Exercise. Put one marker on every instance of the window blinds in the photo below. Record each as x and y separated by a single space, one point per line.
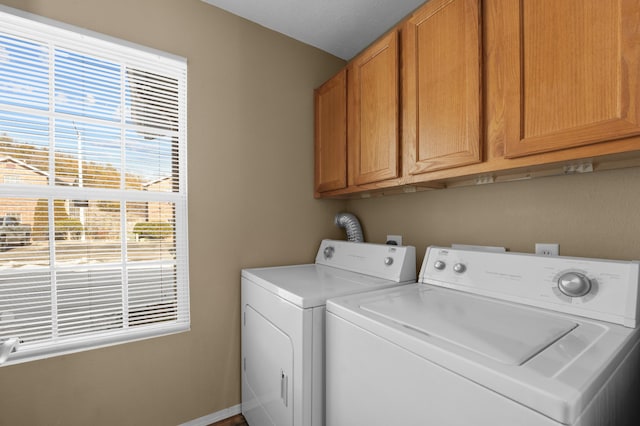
93 190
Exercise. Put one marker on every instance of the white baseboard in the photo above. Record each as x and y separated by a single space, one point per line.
214 417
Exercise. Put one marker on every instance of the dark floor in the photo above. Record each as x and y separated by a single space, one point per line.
232 421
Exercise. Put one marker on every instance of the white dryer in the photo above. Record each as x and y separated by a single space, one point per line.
283 314
489 339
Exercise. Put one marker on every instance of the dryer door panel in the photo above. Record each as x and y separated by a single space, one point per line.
268 367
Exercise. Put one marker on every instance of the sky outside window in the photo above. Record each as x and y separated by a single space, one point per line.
88 91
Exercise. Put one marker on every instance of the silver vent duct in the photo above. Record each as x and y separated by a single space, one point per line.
351 224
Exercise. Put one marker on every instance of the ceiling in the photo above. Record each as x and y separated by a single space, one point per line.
340 27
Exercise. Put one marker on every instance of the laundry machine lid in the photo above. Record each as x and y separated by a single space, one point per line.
502 332
310 285
553 363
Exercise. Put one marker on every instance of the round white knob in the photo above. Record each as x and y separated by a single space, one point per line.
388 261
439 265
328 252
459 268
574 284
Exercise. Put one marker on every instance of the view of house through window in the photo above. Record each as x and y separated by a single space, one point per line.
92 191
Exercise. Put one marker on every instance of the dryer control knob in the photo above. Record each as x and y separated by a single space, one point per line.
388 261
459 268
328 252
574 284
439 265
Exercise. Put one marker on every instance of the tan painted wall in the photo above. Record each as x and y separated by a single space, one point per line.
250 204
592 215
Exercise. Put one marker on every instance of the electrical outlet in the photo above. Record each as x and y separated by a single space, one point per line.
397 239
547 249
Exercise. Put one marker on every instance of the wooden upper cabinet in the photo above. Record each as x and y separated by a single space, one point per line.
373 107
442 98
575 79
331 134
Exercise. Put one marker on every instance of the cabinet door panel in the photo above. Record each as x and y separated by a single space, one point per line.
577 74
373 113
331 134
441 86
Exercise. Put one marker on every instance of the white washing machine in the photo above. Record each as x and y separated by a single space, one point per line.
489 339
283 314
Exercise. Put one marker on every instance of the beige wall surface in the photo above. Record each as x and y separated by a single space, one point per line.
250 156
591 215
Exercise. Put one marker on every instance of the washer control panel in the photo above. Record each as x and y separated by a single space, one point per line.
607 290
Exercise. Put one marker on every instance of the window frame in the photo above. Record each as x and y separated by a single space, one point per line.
18 23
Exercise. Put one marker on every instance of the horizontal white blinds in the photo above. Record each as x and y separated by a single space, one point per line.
93 197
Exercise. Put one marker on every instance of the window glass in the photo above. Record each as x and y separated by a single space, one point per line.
92 190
